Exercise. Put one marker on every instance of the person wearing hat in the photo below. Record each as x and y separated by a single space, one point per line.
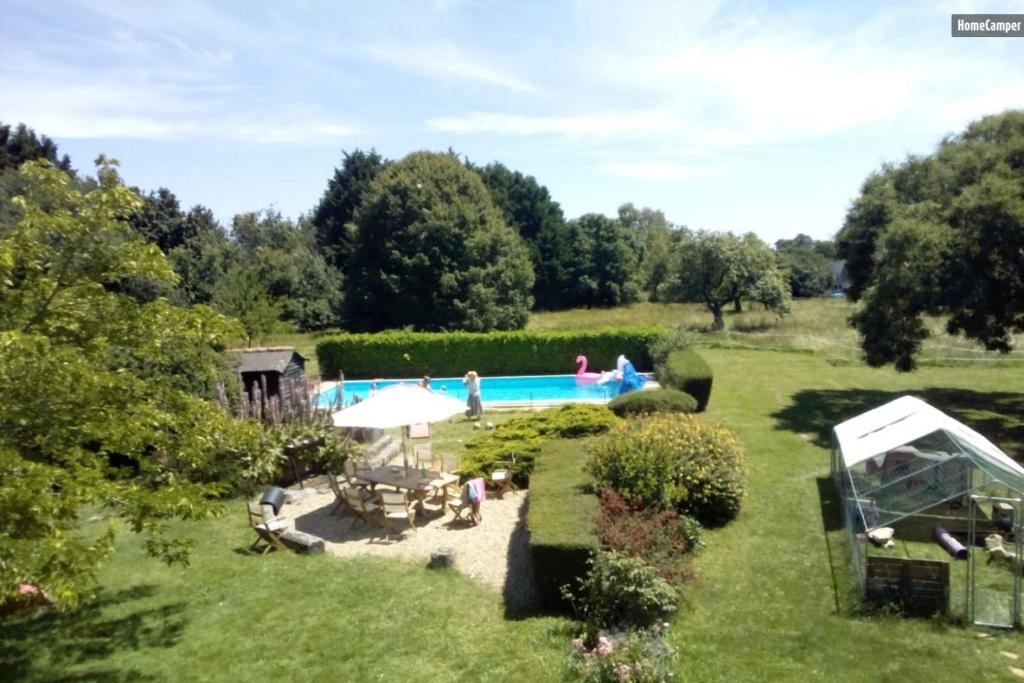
472 382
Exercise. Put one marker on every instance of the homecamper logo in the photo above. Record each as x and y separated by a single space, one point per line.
988 25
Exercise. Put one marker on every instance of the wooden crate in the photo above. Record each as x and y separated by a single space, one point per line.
918 587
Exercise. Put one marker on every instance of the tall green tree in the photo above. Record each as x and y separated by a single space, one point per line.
203 260
529 209
718 268
433 252
941 235
98 417
334 214
283 256
650 233
16 147
22 144
606 272
809 267
242 295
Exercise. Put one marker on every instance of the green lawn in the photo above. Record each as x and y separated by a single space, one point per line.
769 602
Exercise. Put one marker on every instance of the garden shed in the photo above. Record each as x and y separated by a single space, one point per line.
909 471
269 368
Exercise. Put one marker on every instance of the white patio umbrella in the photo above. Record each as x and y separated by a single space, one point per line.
399 406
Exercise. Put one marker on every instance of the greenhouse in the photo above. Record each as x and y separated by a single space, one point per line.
932 511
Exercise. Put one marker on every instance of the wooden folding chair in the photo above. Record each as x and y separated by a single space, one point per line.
460 503
501 476
361 508
268 531
396 508
340 501
352 475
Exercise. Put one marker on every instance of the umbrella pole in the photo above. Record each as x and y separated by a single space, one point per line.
405 452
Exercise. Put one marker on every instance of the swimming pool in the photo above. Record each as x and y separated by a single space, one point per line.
526 388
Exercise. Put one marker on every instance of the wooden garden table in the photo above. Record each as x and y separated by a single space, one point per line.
418 482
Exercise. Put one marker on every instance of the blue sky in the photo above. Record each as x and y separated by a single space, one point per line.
726 116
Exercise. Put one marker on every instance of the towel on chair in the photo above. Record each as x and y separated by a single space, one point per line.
477 490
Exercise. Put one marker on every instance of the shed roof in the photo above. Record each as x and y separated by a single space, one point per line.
274 359
907 419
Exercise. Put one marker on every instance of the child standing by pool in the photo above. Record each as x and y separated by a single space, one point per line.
472 382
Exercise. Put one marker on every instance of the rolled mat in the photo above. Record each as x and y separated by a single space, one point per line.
948 543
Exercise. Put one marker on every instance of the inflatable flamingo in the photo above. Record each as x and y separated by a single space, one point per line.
581 373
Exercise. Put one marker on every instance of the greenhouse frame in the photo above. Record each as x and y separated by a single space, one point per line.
906 471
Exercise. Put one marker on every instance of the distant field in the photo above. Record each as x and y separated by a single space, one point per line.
817 325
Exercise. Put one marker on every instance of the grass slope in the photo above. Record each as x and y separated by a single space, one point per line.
769 601
233 616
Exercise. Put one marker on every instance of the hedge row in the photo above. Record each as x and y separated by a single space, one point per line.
561 519
686 371
452 354
637 403
522 438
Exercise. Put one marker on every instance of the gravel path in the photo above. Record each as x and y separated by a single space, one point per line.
496 552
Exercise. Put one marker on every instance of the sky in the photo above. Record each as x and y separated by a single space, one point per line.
743 116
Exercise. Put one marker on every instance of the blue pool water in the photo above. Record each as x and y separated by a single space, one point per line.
493 389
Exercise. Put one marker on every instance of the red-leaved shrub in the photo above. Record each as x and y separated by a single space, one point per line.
662 538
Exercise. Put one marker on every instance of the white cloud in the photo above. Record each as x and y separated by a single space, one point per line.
444 61
312 131
661 171
587 125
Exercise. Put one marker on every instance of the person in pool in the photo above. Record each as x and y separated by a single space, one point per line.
425 382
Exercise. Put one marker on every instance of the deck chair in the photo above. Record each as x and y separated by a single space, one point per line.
460 503
424 455
419 431
501 476
352 476
362 509
268 531
396 508
340 501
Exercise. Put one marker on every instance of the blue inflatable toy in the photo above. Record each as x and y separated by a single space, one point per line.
631 381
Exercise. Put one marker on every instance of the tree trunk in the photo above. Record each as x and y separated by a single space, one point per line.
716 310
737 305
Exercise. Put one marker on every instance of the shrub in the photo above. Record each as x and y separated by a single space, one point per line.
523 436
653 401
686 371
673 461
561 519
662 538
642 657
622 592
451 354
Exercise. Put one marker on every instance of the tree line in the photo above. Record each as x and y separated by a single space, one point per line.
433 242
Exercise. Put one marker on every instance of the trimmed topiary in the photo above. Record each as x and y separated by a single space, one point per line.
673 461
522 438
686 371
637 403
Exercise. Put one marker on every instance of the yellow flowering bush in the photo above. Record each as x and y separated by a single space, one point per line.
673 461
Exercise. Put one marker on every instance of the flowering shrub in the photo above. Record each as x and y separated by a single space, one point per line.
662 538
621 591
642 657
673 461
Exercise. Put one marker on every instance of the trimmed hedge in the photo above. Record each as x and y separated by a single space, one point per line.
522 437
561 519
451 354
686 371
653 401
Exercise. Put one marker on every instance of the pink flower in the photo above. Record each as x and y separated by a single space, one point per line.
577 643
622 671
604 646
